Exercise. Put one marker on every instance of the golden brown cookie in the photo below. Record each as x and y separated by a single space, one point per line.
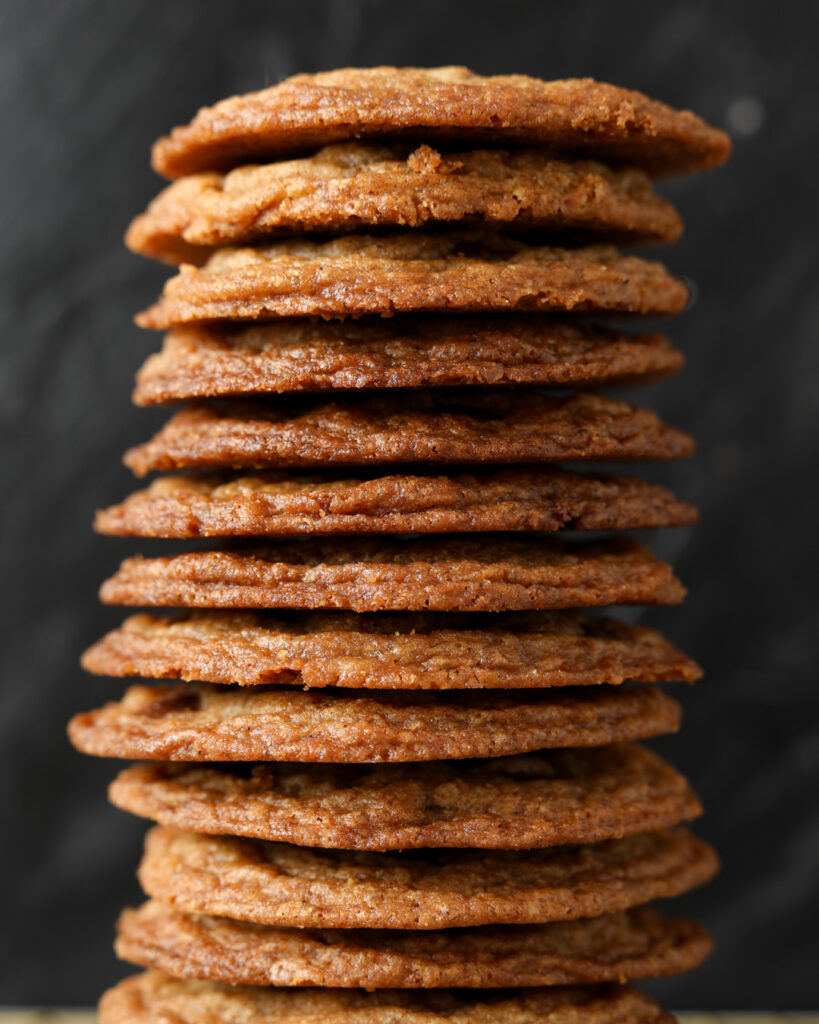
402 352
200 722
292 886
445 105
353 185
403 652
390 652
518 803
429 426
412 272
157 998
638 943
467 572
286 504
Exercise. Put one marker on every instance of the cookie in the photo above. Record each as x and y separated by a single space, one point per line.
402 352
468 572
390 652
199 722
445 105
351 185
638 943
428 426
412 272
157 998
524 802
286 504
291 886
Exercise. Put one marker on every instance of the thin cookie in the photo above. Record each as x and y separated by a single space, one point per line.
199 722
525 802
468 572
430 427
288 504
446 105
412 272
390 652
156 998
295 887
638 943
354 185
402 352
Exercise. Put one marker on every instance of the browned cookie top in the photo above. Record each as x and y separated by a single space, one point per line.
286 504
427 426
462 572
156 998
402 352
415 271
392 652
347 186
637 943
523 802
200 722
293 886
443 105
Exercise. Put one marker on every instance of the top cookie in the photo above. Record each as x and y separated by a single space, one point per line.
442 105
352 185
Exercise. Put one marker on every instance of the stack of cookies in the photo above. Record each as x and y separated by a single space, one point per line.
393 768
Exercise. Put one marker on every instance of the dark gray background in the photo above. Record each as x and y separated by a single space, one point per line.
86 86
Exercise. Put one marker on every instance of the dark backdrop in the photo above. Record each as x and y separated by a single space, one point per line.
86 86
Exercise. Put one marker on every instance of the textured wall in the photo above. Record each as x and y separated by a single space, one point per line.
87 84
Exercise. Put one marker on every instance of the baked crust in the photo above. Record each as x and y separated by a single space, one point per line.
429 651
402 352
353 185
156 998
287 504
442 105
462 572
433 427
417 271
637 943
519 803
292 886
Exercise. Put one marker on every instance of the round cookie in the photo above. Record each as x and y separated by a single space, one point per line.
291 886
286 504
412 272
390 652
199 722
445 105
529 801
156 998
351 185
402 352
468 572
431 427
637 943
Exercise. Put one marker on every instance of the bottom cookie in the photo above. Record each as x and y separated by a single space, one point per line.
156 998
639 943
